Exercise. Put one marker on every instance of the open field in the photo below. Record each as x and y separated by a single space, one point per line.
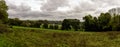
35 37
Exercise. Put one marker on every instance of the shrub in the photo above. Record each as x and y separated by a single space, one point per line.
56 27
45 25
51 27
4 28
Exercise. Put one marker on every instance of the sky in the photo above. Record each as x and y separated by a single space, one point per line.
58 9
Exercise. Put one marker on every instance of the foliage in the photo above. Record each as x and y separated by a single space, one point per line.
45 24
37 24
102 23
51 26
115 23
4 28
15 21
55 38
70 23
3 11
56 26
65 25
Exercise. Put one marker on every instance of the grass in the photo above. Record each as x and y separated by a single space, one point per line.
35 37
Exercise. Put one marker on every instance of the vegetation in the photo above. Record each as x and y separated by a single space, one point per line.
51 26
3 11
28 37
70 23
115 23
105 22
3 17
4 28
43 33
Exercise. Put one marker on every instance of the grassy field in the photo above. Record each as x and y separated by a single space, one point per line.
35 37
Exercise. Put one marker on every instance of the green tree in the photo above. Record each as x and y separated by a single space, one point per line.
3 11
14 21
56 26
95 22
75 24
45 24
115 23
51 26
3 16
88 23
71 23
65 24
104 21
37 24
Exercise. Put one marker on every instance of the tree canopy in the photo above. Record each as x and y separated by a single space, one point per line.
3 11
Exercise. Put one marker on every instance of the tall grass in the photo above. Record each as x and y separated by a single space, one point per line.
26 37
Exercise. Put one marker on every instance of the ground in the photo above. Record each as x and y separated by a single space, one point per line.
35 37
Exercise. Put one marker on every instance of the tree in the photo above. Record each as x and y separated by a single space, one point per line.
3 11
104 22
115 23
37 24
75 24
88 23
14 21
45 24
56 26
66 24
51 26
71 23
95 22
3 16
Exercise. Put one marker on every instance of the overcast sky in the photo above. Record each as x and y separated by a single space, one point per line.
58 9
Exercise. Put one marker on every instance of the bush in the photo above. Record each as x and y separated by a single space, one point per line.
51 27
45 25
56 27
4 28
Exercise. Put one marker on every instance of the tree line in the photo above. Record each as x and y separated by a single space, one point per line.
34 23
104 22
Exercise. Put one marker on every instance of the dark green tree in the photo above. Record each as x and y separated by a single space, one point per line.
15 22
71 23
115 23
104 22
51 26
88 23
56 26
75 24
66 24
3 11
95 22
37 24
45 24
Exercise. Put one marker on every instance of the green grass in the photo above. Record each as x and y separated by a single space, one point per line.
36 37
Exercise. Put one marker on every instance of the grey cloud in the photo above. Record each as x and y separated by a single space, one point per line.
22 7
52 5
94 7
24 12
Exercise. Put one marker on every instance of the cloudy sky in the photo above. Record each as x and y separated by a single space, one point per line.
58 9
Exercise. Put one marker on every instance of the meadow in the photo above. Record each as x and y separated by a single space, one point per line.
35 37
